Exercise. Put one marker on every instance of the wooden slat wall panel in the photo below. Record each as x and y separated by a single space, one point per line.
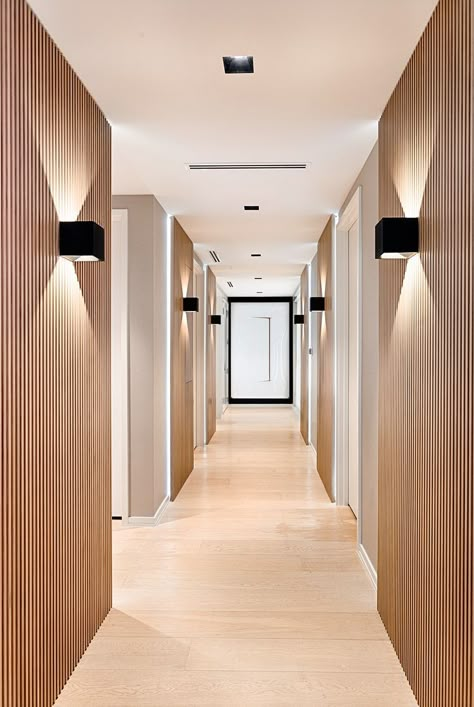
211 333
303 332
55 553
324 323
182 394
425 564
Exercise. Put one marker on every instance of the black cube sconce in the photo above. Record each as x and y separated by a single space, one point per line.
317 304
190 304
397 238
299 318
81 240
215 318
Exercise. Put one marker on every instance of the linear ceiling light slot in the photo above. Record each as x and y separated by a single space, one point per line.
214 256
229 283
247 165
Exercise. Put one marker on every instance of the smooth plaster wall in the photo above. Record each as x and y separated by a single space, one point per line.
147 224
368 503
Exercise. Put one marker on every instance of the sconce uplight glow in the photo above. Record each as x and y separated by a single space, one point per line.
397 238
81 240
190 304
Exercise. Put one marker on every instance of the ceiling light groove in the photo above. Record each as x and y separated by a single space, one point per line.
202 166
214 256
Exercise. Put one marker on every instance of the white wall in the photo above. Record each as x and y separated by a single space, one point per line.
147 294
368 508
221 354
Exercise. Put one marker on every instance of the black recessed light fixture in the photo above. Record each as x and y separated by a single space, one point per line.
259 292
397 238
215 318
255 255
317 304
190 304
238 64
81 240
258 278
299 318
251 207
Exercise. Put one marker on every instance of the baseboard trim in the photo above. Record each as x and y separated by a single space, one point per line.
149 521
365 559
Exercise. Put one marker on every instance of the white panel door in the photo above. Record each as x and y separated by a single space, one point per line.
260 350
353 377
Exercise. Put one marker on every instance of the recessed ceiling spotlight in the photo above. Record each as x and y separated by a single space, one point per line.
251 207
238 64
255 255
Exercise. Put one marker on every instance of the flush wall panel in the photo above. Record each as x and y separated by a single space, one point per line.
55 485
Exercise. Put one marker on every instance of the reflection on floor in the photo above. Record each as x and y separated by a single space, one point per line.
249 592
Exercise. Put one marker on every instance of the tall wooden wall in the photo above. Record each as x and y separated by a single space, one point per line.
303 332
211 349
182 384
325 324
55 479
426 455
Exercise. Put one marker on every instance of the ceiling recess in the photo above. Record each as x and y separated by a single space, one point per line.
214 256
229 283
247 165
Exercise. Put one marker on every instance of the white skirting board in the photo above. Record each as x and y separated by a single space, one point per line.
140 521
365 559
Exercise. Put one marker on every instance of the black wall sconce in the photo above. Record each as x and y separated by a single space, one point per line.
299 318
190 304
215 318
317 304
397 238
81 240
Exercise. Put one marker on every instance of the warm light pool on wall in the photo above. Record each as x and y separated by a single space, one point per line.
317 304
81 240
397 238
190 304
215 318
299 318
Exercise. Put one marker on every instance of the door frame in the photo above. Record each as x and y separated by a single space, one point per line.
120 430
351 214
263 401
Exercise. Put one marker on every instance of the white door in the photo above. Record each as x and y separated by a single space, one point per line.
119 362
353 373
260 350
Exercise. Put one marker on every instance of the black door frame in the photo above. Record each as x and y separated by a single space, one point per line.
263 401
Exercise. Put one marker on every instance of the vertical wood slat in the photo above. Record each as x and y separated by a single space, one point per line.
182 390
211 334
303 332
325 323
55 555
426 524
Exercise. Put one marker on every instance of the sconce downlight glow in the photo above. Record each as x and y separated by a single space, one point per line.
397 238
81 240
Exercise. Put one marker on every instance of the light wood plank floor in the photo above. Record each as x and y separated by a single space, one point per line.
249 592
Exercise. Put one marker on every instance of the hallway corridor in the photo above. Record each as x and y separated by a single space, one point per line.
249 592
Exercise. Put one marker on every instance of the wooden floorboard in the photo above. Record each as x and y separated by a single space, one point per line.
249 592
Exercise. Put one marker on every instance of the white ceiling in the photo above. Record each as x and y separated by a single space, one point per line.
324 70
